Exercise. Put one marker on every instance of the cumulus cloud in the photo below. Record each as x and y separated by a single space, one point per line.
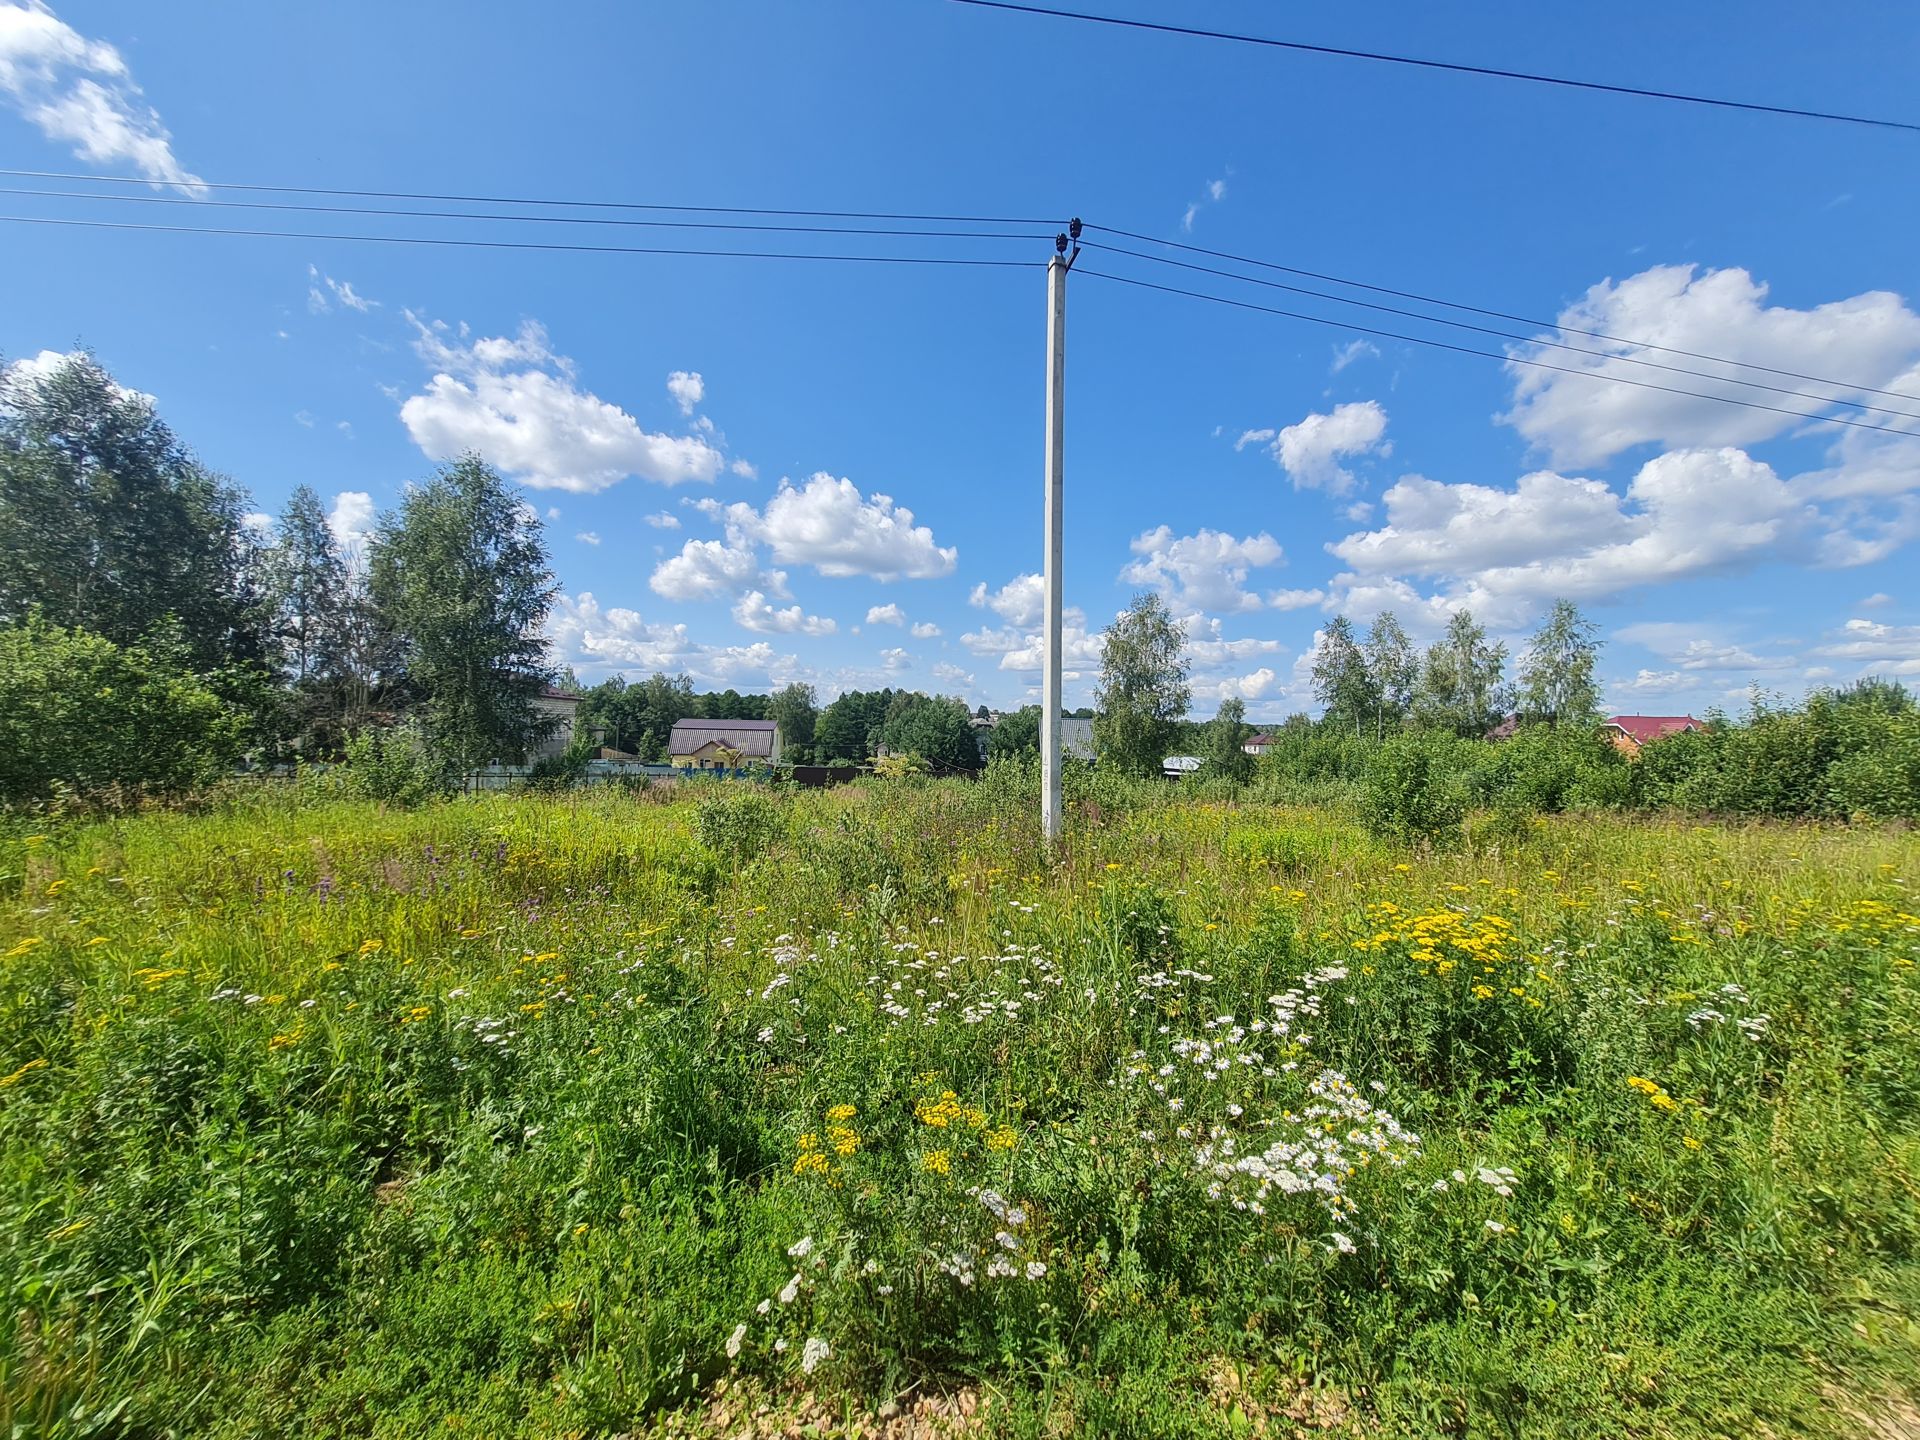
517 403
663 520
753 612
895 660
953 675
1202 571
687 389
830 526
1876 601
925 630
1698 646
1021 601
1311 451
352 519
80 92
1251 686
888 614
744 469
707 570
1868 339
587 537
1294 599
596 639
1686 513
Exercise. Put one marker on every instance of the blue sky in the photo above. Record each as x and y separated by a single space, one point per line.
843 484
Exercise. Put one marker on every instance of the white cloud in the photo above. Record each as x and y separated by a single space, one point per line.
1203 571
1294 599
1882 649
516 402
953 675
303 417
1254 437
888 614
687 389
1186 220
1690 512
352 520
753 612
81 93
744 469
1876 601
587 537
925 630
1867 340
707 569
828 524
345 427
895 660
1020 601
1699 645
1345 355
594 639
1310 452
259 523
1212 193
663 520
1246 687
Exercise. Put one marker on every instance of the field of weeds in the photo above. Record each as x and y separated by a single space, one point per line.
746 1112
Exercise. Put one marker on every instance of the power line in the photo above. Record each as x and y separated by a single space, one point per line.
1503 315
525 244
521 219
1302 46
558 204
1492 354
1503 334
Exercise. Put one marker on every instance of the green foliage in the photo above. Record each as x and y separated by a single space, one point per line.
1548 768
391 766
1017 733
738 821
461 576
938 730
1226 734
1341 679
108 524
1143 690
1557 681
508 1116
564 770
79 713
1461 687
793 709
1415 790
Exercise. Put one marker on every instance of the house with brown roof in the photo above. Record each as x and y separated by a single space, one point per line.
723 744
1632 733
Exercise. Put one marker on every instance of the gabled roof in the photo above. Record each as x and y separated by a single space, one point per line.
1263 738
1647 728
749 737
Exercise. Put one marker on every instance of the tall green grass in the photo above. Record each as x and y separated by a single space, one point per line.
587 1114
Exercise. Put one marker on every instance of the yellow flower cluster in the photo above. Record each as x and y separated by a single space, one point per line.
948 1112
841 1138
1656 1093
1002 1137
811 1161
1455 945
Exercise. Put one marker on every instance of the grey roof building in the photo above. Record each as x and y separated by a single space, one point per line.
698 742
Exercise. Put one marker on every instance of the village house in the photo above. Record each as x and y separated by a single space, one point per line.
558 706
722 744
1632 733
1258 744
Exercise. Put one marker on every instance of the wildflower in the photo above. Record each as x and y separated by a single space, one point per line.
17 1076
735 1340
801 1248
1496 1228
1342 1244
763 1307
1004 1138
841 1113
791 1290
1500 1180
936 1162
813 1353
1035 1270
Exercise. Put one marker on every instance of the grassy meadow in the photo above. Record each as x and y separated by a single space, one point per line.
739 1111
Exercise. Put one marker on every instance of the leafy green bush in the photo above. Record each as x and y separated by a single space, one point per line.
739 822
80 713
562 771
1542 768
393 767
1415 789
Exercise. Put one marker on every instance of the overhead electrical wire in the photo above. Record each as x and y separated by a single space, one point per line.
286 206
1498 314
1489 354
1458 67
557 204
1505 334
466 243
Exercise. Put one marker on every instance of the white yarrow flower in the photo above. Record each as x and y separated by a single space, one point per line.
791 1289
816 1350
801 1248
735 1340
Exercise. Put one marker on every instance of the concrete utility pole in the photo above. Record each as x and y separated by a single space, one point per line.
1062 262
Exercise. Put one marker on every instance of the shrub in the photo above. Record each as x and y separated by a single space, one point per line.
1414 788
80 713
394 766
739 822
562 771
1543 768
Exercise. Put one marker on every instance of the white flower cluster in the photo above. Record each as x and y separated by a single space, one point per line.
924 986
1752 1026
1002 1257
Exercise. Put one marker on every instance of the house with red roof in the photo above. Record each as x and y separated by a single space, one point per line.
1632 733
